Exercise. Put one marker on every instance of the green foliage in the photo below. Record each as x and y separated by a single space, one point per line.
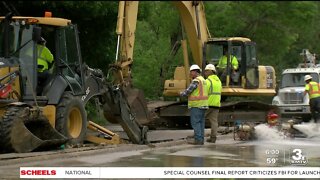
281 30
95 113
96 22
153 45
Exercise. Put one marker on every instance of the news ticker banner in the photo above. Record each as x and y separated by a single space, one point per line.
170 172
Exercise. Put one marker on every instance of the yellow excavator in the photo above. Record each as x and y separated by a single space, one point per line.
252 79
36 117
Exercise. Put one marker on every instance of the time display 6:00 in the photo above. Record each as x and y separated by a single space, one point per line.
272 151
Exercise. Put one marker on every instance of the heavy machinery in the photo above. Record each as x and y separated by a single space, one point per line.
290 97
33 119
253 79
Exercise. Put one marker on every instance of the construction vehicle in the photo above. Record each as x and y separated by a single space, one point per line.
33 120
253 79
290 98
56 115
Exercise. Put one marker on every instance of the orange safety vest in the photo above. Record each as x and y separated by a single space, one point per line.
313 89
199 96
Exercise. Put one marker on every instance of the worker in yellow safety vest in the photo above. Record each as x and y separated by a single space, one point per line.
222 65
313 90
197 103
45 61
214 96
45 57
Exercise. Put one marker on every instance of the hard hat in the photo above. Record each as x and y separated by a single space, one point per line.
210 67
194 67
307 77
42 40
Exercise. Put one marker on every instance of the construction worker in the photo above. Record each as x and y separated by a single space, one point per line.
222 64
313 89
214 95
45 57
45 60
197 103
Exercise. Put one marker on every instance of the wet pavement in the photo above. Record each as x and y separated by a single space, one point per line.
239 154
269 150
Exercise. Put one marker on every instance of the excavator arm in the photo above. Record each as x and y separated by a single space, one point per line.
193 19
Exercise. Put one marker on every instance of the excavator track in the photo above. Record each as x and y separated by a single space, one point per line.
175 115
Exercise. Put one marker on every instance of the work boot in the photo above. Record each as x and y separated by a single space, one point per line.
195 142
190 137
212 140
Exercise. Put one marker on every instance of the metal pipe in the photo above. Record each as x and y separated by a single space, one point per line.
118 46
119 29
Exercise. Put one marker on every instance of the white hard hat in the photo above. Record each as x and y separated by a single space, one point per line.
307 77
194 67
210 67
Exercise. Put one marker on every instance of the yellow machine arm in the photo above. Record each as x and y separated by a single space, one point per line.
193 19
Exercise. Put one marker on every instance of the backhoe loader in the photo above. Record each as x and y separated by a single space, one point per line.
252 78
33 119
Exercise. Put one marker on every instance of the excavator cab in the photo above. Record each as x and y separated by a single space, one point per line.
238 49
250 78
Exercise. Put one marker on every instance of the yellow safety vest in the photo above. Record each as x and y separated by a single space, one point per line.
223 62
313 89
44 57
199 96
214 90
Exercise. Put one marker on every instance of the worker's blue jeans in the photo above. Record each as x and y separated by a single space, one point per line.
197 120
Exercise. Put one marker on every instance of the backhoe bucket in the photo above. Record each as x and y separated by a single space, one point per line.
138 105
34 135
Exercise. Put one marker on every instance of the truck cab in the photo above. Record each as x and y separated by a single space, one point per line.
290 97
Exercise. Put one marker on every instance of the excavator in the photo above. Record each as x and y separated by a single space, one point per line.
252 79
35 117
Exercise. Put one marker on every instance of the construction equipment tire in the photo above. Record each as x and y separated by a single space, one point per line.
71 119
6 124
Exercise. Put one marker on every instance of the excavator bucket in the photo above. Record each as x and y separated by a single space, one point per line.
138 105
30 135
35 135
128 108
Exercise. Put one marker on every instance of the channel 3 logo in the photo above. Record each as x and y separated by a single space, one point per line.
298 157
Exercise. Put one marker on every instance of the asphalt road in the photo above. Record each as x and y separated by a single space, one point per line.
174 152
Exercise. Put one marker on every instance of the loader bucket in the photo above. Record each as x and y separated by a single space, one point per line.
34 135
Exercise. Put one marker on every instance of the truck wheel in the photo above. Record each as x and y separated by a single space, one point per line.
71 119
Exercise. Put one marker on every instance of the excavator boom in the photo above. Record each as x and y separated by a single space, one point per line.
251 79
